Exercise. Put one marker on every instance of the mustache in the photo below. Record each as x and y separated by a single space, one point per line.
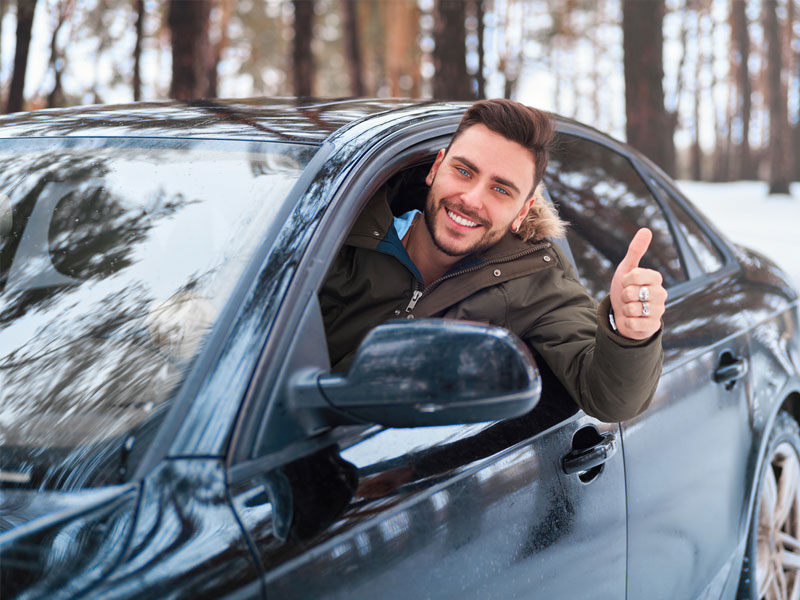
466 212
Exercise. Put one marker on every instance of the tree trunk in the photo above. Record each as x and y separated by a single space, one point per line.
793 41
56 96
480 14
137 51
451 79
696 164
215 55
302 58
779 152
352 41
25 10
648 126
719 165
399 23
188 23
745 165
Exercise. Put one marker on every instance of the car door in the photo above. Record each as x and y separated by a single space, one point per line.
685 455
470 511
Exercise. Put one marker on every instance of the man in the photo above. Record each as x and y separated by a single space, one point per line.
479 251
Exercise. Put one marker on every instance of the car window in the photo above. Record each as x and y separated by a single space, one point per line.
708 256
605 201
115 259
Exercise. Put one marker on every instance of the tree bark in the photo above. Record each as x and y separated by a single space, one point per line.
745 167
648 126
779 152
55 62
480 14
302 58
451 79
188 23
696 165
25 10
793 40
137 51
215 56
352 40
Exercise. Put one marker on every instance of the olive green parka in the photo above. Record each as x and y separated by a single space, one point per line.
528 287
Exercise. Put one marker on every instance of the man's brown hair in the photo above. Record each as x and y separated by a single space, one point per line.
531 128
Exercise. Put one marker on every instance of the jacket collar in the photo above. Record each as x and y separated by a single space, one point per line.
376 220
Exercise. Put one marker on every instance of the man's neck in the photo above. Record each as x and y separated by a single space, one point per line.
431 262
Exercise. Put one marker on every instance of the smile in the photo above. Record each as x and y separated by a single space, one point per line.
460 220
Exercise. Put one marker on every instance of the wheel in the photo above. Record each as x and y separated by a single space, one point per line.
772 560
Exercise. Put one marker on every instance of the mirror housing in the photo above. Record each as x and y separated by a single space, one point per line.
428 372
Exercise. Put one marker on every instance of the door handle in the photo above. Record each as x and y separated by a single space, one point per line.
730 370
585 459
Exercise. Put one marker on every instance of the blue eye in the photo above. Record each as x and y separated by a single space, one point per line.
463 171
501 190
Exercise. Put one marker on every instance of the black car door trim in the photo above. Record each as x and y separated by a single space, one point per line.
398 150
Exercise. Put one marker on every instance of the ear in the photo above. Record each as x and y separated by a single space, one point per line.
435 167
523 212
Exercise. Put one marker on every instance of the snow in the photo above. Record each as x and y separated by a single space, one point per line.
748 215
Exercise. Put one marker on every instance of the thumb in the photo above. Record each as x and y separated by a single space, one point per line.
636 250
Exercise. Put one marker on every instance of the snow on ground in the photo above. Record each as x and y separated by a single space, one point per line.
749 216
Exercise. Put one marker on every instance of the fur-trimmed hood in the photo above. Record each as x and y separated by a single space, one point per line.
542 220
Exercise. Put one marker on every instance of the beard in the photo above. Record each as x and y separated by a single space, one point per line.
489 238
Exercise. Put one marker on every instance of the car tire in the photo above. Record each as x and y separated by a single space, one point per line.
771 568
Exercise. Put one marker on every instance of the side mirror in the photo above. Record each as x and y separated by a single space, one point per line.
428 372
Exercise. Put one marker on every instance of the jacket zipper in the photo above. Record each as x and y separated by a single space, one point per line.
496 261
414 299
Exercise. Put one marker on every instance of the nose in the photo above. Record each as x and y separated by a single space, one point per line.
471 198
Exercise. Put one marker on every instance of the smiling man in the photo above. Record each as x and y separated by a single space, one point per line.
480 250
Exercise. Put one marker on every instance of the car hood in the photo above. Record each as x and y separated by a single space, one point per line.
60 544
25 511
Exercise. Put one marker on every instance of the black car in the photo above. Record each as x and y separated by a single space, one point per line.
170 426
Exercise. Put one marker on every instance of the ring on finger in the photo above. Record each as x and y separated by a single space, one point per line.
644 294
645 308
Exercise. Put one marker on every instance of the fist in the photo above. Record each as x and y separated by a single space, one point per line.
637 295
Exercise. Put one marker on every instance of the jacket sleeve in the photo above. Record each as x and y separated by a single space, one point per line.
611 378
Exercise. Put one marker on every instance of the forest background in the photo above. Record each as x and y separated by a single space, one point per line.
709 89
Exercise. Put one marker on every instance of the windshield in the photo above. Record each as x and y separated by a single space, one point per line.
116 257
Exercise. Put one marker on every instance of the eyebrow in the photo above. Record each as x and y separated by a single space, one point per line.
495 178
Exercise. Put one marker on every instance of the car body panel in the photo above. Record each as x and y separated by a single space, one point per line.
59 545
467 513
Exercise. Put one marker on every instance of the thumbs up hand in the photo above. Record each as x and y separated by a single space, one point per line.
637 296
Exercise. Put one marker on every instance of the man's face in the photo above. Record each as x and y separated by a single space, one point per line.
477 191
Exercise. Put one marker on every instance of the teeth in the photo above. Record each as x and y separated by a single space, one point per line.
461 220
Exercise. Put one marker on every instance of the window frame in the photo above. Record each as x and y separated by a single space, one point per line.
727 257
611 146
696 277
408 147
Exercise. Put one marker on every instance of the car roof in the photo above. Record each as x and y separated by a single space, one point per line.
261 119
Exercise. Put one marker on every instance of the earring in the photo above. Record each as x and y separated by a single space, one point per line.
515 228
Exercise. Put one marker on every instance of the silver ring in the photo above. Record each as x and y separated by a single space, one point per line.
645 309
644 294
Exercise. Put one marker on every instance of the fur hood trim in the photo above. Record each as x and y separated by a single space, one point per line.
542 220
